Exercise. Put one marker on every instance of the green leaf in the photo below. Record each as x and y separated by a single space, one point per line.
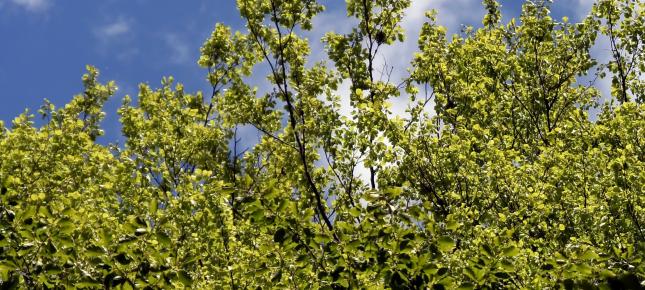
589 255
163 238
66 226
7 265
322 238
153 206
184 278
95 251
511 251
607 273
446 243
343 282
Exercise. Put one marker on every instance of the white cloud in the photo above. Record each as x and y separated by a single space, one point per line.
117 28
180 50
115 38
33 5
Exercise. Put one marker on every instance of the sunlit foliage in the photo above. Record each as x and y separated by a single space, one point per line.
507 170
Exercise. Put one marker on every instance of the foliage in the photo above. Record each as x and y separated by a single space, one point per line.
510 181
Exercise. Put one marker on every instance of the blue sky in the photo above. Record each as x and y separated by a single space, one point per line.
47 43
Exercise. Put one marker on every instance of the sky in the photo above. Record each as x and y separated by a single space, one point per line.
45 44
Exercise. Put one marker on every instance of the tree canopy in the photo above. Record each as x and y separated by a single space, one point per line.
507 170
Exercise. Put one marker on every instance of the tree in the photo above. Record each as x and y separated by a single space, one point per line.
508 182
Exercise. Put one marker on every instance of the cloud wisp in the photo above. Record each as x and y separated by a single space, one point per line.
116 37
33 5
117 28
180 50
